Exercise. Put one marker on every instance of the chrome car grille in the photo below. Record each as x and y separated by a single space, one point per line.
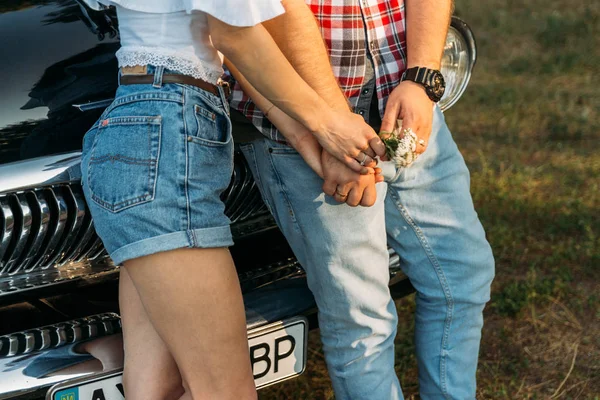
47 236
43 228
47 233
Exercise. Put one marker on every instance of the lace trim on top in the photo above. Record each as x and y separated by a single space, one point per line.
183 63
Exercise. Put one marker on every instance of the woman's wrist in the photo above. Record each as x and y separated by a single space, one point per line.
317 118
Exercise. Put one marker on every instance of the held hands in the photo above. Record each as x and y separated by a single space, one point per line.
341 182
347 186
349 139
409 102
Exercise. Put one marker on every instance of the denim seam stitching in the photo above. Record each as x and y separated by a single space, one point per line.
135 98
186 174
192 238
443 282
285 196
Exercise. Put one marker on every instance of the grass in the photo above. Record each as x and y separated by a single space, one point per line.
529 129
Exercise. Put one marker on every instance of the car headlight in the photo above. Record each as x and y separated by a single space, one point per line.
460 54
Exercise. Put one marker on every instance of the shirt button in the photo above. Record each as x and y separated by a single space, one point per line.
365 91
361 112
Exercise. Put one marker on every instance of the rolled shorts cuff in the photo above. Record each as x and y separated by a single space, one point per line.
196 238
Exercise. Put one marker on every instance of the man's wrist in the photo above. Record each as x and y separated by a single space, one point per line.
411 84
431 80
427 63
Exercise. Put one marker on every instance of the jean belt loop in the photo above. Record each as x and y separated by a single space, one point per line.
158 77
221 85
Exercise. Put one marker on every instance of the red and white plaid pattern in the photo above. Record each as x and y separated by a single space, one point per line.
348 27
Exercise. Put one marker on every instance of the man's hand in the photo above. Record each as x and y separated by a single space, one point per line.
347 186
409 102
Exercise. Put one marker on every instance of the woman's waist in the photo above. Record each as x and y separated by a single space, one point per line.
155 84
182 61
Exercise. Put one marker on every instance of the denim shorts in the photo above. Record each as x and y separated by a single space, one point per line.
154 167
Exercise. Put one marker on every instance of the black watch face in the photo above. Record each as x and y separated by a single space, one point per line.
438 85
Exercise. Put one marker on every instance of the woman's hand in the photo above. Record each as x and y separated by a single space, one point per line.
348 138
299 138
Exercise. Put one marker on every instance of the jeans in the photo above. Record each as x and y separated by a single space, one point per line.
427 215
154 167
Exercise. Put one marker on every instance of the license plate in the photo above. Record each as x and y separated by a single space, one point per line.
277 353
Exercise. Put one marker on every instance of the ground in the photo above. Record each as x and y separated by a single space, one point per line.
529 129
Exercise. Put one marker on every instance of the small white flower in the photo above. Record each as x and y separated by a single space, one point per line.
407 144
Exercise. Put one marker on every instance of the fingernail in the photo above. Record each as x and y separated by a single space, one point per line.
364 171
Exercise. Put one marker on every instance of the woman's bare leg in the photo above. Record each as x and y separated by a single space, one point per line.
150 371
193 300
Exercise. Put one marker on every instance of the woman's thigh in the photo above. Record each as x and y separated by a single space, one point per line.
150 370
193 300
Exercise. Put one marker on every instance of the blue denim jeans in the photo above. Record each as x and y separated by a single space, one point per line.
427 215
154 166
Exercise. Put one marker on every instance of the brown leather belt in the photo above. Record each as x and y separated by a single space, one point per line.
173 78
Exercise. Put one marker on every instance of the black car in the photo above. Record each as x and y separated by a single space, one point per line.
59 318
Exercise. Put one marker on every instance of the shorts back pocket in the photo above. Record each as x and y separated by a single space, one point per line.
123 162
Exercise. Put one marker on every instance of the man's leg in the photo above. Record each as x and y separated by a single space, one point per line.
432 225
344 253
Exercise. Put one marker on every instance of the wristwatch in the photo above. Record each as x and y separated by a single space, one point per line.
431 79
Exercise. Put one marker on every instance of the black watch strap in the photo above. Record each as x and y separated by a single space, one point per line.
427 78
415 74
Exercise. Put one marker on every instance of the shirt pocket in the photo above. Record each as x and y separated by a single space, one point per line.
123 161
213 126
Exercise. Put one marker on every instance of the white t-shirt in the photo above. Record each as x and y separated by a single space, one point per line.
174 33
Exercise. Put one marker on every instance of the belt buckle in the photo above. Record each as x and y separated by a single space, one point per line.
226 86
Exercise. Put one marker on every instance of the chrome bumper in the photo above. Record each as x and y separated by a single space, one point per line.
34 360
28 359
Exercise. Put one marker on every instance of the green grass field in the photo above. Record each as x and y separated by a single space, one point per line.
529 128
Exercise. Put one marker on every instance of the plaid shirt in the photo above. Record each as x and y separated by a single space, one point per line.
351 28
